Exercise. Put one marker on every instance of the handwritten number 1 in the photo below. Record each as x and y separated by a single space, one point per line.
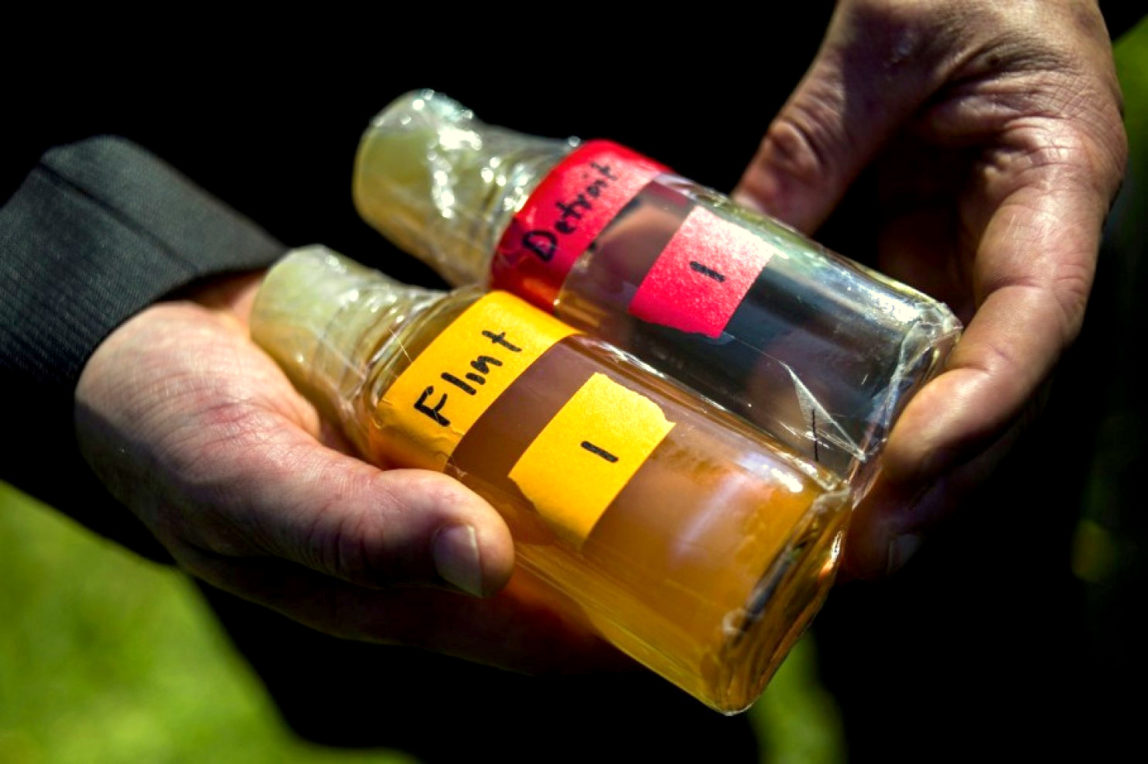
708 272
599 451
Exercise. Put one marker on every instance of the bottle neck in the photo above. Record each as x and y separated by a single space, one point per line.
523 169
444 186
330 322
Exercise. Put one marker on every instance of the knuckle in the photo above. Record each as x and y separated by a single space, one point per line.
1071 286
338 541
375 529
801 142
420 498
348 538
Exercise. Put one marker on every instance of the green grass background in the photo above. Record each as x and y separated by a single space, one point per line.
105 657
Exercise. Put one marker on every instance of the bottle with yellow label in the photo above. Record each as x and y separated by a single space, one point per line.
817 350
692 541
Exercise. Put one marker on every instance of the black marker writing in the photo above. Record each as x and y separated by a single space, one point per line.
604 169
710 272
544 243
480 364
599 451
500 339
433 413
483 364
458 383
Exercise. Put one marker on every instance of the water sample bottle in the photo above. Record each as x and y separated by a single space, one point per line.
815 349
689 539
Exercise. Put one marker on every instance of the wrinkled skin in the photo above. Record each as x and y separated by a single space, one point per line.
1009 149
995 133
198 431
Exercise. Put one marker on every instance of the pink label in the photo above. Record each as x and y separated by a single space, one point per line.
564 215
701 276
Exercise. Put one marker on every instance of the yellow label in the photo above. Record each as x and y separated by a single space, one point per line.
444 391
587 453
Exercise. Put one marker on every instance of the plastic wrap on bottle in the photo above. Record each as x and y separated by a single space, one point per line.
694 542
811 347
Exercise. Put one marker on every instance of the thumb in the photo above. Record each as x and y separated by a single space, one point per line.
344 518
876 66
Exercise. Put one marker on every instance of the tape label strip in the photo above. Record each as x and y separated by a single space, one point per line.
702 275
567 211
444 391
697 281
587 453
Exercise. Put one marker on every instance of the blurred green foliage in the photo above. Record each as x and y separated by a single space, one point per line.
105 657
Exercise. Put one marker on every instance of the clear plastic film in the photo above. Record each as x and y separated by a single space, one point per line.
329 321
816 350
692 541
446 187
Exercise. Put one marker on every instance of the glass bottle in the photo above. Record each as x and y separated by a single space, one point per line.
815 349
692 541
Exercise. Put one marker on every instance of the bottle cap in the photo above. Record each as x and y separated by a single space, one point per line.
324 317
442 185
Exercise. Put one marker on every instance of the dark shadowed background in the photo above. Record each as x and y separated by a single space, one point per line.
1016 625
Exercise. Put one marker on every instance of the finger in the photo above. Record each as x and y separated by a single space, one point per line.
894 518
207 440
1032 273
520 628
874 69
341 517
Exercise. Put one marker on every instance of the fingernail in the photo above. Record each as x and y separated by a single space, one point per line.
901 548
456 558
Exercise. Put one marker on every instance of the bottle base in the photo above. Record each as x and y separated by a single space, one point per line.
782 604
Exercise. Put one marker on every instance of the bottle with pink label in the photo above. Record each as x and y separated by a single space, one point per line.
814 349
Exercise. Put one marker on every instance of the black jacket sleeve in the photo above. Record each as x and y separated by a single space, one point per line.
97 231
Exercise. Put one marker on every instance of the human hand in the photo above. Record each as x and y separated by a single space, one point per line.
996 135
198 432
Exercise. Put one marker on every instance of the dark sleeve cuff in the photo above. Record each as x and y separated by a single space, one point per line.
97 231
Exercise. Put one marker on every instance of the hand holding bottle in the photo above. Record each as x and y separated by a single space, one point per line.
197 431
995 132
